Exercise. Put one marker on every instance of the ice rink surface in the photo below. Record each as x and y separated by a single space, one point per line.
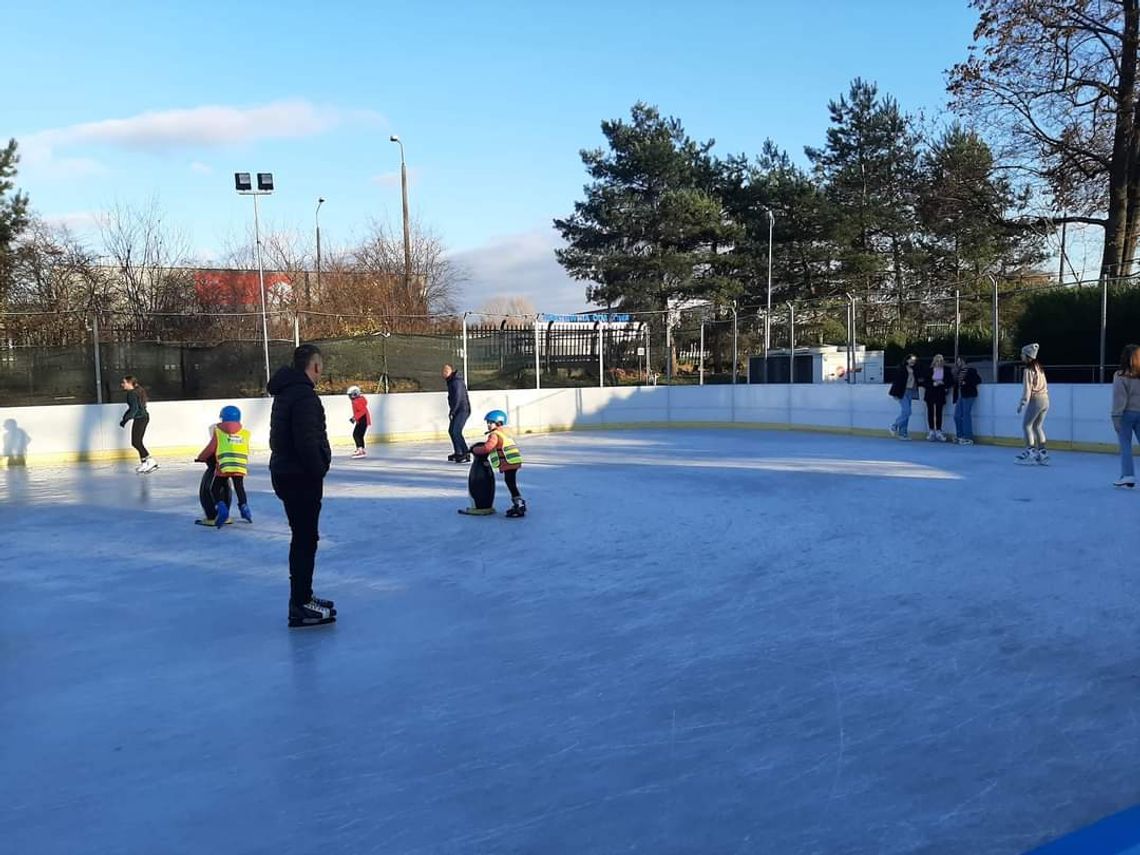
697 642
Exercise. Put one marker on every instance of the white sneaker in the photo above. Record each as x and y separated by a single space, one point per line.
1026 458
1042 457
1124 481
930 436
965 442
905 437
940 436
358 453
893 429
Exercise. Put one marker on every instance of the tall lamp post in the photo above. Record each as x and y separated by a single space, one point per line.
317 217
768 313
407 233
244 187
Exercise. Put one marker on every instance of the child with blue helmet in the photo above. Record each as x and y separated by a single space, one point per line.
504 455
226 456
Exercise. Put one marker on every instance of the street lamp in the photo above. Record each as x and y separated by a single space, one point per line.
317 217
407 233
244 187
767 323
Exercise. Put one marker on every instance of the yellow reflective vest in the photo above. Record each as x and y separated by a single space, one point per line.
233 452
507 455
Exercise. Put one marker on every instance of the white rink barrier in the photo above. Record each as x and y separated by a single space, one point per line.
1078 416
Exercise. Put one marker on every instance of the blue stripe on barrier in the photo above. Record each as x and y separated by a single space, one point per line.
1118 834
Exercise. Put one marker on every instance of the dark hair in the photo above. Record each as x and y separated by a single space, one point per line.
1126 359
1034 364
304 355
138 387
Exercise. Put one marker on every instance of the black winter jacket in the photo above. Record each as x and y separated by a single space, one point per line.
898 385
298 438
966 385
457 401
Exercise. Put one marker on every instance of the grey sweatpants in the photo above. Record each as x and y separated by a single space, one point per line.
1034 421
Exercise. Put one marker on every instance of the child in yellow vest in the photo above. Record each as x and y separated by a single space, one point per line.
227 460
504 454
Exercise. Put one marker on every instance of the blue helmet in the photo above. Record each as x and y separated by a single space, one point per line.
230 414
496 417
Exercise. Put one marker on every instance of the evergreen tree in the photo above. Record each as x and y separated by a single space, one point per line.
13 216
651 227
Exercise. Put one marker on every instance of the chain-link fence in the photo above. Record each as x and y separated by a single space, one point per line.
78 358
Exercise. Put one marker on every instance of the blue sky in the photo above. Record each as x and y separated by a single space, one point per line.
126 101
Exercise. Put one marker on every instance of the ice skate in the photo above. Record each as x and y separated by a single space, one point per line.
148 465
930 437
1042 457
245 513
517 508
206 521
309 614
223 514
463 458
1026 458
940 436
451 458
324 604
360 452
1125 481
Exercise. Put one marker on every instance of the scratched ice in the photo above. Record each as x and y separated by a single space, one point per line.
697 642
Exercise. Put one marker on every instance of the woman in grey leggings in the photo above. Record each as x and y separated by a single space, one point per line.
1035 402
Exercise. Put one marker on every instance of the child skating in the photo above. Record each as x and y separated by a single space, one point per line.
361 418
1035 402
226 456
501 450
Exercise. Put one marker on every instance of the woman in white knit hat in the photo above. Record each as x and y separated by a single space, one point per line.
1035 402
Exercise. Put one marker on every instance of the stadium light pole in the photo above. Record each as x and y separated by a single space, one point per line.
244 187
317 217
407 232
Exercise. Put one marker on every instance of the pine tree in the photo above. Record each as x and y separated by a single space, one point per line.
13 216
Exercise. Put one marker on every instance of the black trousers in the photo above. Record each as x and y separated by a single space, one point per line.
138 430
301 495
455 429
213 489
220 494
511 477
358 433
934 414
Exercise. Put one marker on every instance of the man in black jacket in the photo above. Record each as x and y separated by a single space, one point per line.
458 412
299 460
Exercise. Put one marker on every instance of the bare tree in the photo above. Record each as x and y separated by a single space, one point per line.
54 274
435 275
149 258
1056 82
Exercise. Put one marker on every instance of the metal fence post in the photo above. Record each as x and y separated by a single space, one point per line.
297 330
466 376
735 347
957 321
98 365
537 358
702 381
993 280
668 347
601 360
648 364
1103 324
791 343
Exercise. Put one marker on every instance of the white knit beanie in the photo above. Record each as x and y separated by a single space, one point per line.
1030 351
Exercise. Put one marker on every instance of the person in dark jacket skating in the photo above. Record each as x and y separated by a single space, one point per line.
458 412
139 418
299 460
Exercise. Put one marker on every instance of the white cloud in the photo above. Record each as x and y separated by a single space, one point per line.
202 127
201 168
76 221
521 265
